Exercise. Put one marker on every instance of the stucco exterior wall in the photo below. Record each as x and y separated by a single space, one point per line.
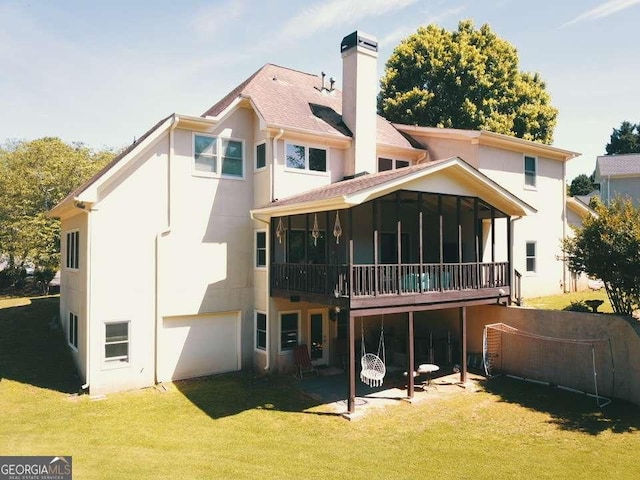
73 288
440 148
124 223
623 333
544 227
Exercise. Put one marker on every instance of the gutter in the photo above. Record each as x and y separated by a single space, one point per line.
162 234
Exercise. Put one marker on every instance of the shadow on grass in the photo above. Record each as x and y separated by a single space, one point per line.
33 352
569 411
229 394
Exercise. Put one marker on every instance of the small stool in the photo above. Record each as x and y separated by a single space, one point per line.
428 369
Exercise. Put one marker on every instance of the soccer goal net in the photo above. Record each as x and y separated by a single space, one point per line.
581 365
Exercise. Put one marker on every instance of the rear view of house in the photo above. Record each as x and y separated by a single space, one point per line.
291 213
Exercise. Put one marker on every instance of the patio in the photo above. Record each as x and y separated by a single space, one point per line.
329 390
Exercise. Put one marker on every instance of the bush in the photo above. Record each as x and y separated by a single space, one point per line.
578 306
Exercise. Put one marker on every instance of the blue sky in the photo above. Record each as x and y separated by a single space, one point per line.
104 72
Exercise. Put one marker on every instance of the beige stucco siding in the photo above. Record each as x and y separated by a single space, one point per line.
130 212
73 288
545 227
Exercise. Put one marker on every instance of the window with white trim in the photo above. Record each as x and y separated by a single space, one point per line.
73 250
72 330
385 164
261 156
530 164
261 330
302 157
289 330
116 342
531 256
215 156
261 249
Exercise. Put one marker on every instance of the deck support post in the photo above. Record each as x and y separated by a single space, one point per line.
410 356
351 389
463 344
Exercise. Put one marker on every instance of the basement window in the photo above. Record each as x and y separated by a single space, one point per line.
116 344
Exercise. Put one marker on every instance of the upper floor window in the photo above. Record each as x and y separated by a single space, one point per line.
530 171
73 250
261 249
214 156
385 164
261 156
301 157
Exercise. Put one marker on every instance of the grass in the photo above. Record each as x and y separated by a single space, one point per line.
245 426
559 302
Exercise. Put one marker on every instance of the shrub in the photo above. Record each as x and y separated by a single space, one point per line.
578 306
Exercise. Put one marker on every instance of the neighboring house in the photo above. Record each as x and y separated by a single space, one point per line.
618 175
291 213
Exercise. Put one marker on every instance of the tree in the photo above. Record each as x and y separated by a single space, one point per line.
625 139
607 246
467 79
34 177
581 185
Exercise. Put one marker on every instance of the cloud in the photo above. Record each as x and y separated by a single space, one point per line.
209 20
602 11
398 34
335 13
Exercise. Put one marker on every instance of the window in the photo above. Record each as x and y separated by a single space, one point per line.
385 164
218 156
72 329
300 157
261 156
530 171
289 323
261 249
73 250
116 344
531 256
261 331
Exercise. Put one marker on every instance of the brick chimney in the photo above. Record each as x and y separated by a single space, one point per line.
359 86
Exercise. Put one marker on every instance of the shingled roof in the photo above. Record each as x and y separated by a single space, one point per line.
287 98
619 165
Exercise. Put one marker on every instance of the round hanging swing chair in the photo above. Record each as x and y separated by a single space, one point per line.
373 366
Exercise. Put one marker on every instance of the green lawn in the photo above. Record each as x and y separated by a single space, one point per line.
245 426
559 302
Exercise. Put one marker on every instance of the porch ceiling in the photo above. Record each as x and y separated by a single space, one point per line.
449 176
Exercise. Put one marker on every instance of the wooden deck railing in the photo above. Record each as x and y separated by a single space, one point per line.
387 279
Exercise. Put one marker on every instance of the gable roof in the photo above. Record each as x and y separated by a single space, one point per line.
485 137
354 191
287 98
618 165
139 143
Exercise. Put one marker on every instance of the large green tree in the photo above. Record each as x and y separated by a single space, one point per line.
607 246
581 185
470 79
625 139
34 177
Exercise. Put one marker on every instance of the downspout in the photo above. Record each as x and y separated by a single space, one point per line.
564 224
274 147
166 231
88 306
